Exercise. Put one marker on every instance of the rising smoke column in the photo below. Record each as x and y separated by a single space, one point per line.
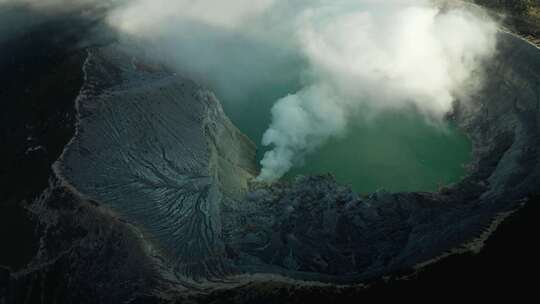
301 123
383 57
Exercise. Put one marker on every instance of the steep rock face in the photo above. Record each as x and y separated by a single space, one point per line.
503 121
159 151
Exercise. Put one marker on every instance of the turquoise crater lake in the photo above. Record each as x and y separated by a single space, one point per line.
394 150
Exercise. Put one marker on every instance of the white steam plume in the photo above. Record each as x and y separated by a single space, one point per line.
383 54
401 55
301 123
146 15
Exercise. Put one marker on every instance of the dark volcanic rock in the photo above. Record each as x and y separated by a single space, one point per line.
33 132
86 255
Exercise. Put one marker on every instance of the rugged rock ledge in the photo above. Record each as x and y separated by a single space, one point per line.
159 151
151 199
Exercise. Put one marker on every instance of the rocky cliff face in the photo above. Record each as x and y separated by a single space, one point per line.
151 199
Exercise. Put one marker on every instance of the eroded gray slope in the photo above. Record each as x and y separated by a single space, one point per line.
158 150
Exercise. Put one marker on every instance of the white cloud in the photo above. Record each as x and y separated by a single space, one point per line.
147 16
389 58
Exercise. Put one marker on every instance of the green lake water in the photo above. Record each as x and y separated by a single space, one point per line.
395 151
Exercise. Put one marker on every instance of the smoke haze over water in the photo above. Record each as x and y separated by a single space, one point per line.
352 54
385 58
383 54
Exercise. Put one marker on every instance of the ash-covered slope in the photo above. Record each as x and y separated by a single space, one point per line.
159 151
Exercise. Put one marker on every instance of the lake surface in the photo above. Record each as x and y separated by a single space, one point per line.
395 151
